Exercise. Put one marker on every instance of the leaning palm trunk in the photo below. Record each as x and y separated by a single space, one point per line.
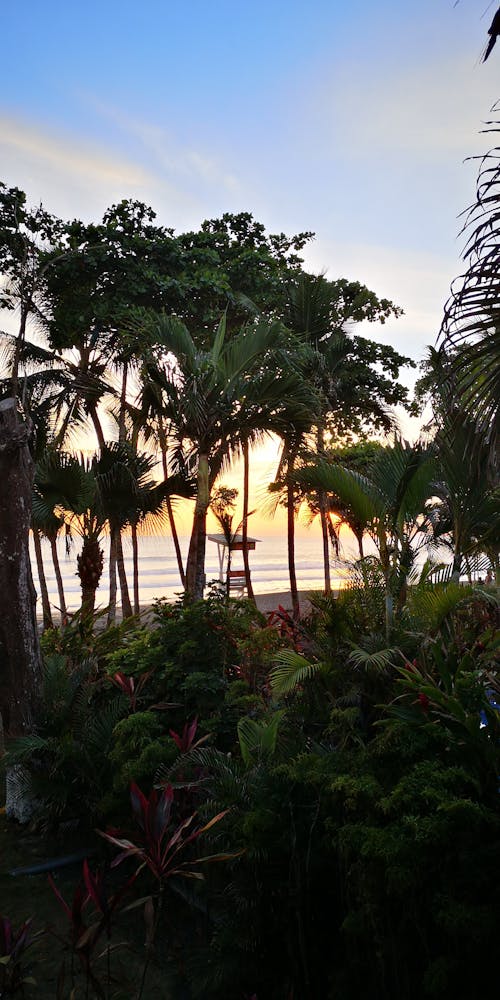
122 576
44 592
195 569
59 580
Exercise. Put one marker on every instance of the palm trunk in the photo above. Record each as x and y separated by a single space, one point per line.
457 566
122 430
112 578
60 587
89 565
14 378
323 509
135 558
291 532
170 512
97 427
195 569
122 576
244 523
44 592
359 539
389 600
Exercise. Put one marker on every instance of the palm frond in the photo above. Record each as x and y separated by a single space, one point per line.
291 671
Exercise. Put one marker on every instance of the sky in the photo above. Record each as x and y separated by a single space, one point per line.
346 117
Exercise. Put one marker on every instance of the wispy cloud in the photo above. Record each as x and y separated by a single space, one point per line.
77 177
166 153
67 155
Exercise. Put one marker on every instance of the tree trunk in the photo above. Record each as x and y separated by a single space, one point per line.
44 592
244 523
59 580
323 509
195 569
386 569
291 533
89 567
97 427
20 658
457 566
112 579
135 558
122 428
122 576
170 512
359 539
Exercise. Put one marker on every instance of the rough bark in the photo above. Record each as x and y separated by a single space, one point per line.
20 658
89 567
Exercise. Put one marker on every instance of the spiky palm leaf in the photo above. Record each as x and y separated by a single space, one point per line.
258 739
291 671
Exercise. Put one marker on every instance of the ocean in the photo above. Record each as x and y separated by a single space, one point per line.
159 576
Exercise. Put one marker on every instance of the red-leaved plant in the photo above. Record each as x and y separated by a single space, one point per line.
158 846
186 742
129 687
84 935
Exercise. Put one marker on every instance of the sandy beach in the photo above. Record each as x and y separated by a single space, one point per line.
265 603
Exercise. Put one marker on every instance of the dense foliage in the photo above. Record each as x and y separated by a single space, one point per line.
354 788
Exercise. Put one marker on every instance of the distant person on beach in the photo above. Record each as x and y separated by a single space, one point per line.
489 578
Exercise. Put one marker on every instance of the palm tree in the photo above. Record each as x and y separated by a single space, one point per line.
390 502
343 369
206 394
67 486
471 324
148 420
465 514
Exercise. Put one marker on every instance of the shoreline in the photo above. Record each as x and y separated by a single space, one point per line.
266 603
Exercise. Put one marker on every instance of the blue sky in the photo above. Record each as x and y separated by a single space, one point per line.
349 118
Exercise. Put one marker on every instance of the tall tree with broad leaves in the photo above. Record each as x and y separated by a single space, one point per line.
355 379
